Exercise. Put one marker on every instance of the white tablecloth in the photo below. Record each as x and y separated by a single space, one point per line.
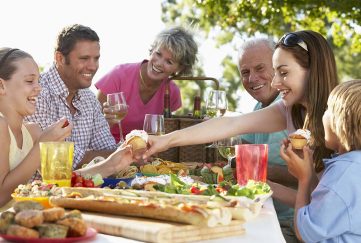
264 228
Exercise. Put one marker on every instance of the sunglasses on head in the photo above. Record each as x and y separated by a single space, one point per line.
291 39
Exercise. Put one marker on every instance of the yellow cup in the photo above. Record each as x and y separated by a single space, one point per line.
56 162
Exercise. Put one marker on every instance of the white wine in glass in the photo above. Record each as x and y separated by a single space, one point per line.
119 108
216 106
226 147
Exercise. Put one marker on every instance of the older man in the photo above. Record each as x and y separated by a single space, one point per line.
65 93
255 68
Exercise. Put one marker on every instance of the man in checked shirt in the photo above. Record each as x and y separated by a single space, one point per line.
65 92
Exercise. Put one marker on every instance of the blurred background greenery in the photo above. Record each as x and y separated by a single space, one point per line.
229 22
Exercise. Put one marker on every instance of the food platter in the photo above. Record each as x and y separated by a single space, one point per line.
112 182
44 201
90 234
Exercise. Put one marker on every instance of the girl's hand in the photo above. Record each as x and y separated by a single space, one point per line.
57 131
156 144
301 168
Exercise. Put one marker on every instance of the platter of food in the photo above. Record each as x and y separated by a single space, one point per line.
90 234
117 182
44 201
36 191
164 167
163 197
30 222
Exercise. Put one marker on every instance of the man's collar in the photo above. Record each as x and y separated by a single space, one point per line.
59 86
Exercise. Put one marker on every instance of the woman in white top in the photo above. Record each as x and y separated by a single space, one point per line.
19 143
19 87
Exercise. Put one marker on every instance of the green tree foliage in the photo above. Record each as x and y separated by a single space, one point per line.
339 21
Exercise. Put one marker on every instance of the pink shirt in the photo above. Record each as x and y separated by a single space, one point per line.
124 78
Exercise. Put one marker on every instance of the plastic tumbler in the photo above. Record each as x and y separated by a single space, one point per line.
251 162
57 162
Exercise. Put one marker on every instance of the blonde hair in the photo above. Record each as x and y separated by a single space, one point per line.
180 42
344 105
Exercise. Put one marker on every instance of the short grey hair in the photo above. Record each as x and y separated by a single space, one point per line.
255 41
181 44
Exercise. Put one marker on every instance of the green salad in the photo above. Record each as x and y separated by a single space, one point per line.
250 190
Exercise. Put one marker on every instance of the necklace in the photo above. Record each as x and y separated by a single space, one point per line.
141 77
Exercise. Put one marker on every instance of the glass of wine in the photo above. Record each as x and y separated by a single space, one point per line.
216 106
119 108
154 124
216 103
226 147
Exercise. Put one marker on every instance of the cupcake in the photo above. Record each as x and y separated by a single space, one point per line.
300 138
138 140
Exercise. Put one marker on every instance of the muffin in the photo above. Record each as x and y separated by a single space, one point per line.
21 231
53 214
77 226
300 138
29 218
26 205
138 140
52 230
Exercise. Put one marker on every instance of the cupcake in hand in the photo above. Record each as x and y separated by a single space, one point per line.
300 138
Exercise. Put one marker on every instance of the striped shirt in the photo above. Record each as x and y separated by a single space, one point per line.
91 130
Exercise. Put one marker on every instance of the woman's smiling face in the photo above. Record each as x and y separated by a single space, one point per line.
290 78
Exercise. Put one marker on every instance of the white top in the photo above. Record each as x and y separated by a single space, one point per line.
16 154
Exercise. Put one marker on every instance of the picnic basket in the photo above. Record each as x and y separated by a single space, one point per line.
192 153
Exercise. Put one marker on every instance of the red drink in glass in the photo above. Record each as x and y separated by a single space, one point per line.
251 162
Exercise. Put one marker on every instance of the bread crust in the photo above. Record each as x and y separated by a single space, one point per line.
170 210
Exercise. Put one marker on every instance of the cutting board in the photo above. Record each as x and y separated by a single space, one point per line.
158 231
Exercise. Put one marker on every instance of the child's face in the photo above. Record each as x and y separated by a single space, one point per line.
290 78
331 140
23 88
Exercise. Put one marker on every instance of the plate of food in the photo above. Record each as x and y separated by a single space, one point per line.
44 201
163 167
90 234
37 191
117 182
30 222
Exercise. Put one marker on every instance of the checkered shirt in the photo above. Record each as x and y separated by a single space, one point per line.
91 130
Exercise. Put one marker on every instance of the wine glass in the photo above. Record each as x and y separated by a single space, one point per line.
119 108
216 106
226 147
154 124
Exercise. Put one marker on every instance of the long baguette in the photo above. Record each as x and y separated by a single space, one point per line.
242 208
181 212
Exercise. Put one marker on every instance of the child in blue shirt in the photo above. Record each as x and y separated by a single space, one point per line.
331 213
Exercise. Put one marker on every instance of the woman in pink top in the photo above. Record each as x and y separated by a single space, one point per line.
172 53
